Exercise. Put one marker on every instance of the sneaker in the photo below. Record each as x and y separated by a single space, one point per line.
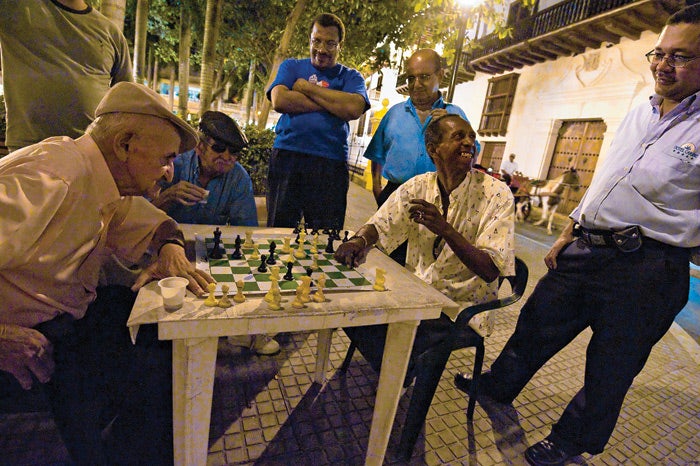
265 345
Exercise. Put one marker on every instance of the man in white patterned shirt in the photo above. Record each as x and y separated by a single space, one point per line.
459 224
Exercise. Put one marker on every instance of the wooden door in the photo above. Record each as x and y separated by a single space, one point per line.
578 146
491 155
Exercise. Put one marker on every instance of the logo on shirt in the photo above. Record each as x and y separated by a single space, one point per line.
313 79
686 152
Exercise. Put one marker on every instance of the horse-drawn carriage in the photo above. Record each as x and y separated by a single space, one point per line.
546 194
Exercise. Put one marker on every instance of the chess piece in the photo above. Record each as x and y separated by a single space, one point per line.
275 272
329 246
289 275
237 251
319 297
314 264
345 238
239 297
211 299
263 267
285 244
299 253
271 258
314 244
248 239
305 289
302 237
255 255
379 280
216 251
298 303
225 301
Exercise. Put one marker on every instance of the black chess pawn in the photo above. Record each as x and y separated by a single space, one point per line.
309 271
329 246
271 259
289 275
263 266
345 238
237 251
216 251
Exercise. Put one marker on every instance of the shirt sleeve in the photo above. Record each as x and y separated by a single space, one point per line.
356 84
285 77
375 149
133 226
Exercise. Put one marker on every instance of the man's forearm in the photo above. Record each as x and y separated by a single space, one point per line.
345 105
288 101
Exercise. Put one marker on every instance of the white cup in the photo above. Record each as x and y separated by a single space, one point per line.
173 291
206 198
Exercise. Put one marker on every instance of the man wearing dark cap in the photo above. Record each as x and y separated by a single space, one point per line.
209 185
65 206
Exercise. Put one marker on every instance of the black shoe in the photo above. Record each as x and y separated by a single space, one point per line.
547 453
463 382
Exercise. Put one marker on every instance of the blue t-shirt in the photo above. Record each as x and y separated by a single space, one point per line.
230 202
316 133
398 144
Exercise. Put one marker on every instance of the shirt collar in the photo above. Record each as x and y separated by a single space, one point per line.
108 192
439 103
690 104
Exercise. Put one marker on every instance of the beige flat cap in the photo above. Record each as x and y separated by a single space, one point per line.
126 97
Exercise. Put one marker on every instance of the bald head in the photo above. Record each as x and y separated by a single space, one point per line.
423 75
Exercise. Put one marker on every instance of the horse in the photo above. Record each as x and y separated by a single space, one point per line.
546 193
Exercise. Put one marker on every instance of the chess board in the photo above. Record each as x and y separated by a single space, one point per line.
228 270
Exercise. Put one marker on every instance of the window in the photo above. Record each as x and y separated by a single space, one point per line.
497 106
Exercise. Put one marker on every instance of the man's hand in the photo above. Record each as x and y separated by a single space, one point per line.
23 352
566 237
428 214
352 252
184 193
438 112
172 262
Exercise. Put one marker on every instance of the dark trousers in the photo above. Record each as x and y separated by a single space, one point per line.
370 340
628 299
305 185
111 400
398 254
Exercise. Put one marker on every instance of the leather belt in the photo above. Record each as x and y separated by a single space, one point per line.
628 239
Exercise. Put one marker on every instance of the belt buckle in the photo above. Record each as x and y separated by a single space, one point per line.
596 240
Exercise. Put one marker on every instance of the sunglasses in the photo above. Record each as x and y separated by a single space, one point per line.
219 147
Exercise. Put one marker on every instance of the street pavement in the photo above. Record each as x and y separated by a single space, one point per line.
267 411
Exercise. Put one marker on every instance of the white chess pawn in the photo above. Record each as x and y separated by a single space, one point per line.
319 297
239 297
255 255
248 243
211 299
379 280
225 301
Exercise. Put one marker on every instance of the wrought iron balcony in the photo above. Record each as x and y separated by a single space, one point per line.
566 29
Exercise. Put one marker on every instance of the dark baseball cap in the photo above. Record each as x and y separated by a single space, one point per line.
222 128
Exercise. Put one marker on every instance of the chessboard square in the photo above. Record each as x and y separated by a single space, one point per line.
220 269
242 270
218 263
343 268
250 286
334 275
223 277
342 282
325 263
262 277
360 281
288 285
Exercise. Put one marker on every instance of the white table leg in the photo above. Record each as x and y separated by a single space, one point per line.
323 350
399 341
194 362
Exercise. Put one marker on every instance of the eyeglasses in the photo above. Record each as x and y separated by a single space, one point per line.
423 78
329 44
672 60
219 147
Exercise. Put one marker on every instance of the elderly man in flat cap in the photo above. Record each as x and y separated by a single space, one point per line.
65 206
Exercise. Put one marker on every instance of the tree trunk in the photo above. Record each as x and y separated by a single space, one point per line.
140 40
171 91
248 98
114 10
154 82
184 53
212 20
280 55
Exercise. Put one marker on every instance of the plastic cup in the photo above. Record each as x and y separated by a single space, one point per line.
173 291
205 199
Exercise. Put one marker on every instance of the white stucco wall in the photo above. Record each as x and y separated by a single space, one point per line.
597 84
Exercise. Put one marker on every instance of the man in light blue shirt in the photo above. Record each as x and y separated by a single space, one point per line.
621 265
397 149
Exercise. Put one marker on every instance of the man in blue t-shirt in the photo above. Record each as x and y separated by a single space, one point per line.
308 174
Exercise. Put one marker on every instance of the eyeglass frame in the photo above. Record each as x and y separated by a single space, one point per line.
327 44
653 58
218 147
423 78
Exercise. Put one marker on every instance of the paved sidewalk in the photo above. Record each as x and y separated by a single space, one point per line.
266 411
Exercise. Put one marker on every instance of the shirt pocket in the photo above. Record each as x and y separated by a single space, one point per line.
664 173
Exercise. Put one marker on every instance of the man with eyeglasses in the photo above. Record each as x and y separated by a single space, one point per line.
621 265
308 173
459 224
209 186
397 150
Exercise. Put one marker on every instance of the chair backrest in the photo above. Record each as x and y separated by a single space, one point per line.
518 283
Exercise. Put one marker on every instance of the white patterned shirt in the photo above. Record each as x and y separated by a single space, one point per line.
481 209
